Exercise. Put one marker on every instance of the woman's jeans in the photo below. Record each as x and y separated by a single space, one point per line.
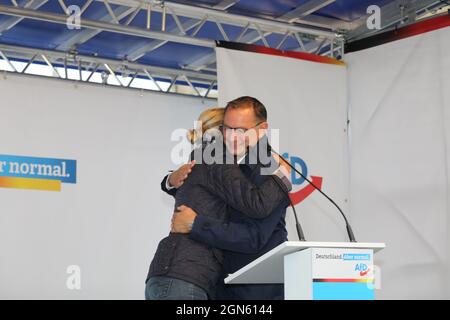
166 288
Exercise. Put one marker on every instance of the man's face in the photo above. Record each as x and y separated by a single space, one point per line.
242 129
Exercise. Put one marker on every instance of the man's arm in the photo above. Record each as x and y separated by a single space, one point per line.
174 180
166 187
248 236
233 187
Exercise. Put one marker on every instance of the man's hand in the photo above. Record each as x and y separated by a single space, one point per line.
183 219
176 178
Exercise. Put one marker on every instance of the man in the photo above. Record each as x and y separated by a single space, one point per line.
244 128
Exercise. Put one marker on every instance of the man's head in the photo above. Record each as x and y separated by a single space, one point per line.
245 122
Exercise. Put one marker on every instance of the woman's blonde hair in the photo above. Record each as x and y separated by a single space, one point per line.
210 119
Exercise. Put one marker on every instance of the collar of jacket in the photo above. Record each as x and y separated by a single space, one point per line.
252 159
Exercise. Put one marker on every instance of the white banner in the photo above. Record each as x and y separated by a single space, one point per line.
400 129
307 102
94 239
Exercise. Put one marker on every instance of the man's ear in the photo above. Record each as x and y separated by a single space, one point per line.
263 129
264 125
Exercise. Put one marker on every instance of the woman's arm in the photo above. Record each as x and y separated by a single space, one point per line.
233 187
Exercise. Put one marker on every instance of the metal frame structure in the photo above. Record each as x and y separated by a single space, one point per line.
313 34
399 13
112 67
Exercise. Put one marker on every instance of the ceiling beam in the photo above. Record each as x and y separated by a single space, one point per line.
224 17
105 26
303 14
207 60
225 4
142 49
325 22
305 9
12 21
85 35
390 15
59 57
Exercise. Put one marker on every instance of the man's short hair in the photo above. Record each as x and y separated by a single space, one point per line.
249 102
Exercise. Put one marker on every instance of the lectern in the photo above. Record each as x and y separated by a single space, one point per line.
316 270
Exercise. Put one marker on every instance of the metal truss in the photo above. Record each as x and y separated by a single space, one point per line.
124 72
120 14
395 14
118 20
312 33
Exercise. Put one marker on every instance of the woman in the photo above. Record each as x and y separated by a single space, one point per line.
183 269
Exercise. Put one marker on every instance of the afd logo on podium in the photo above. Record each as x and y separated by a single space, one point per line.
362 268
21 172
297 180
342 274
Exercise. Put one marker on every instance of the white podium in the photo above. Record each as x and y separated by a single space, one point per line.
315 270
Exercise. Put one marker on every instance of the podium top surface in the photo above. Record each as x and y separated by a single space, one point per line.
269 267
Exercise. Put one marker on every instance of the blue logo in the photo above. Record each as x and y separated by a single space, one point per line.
300 195
357 256
361 267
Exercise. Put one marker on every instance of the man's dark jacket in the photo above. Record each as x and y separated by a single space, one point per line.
213 191
242 237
